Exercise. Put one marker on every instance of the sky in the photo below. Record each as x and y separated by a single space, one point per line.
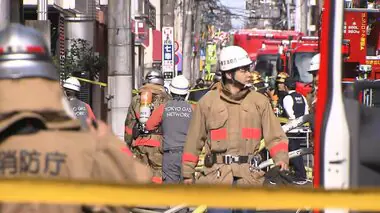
240 4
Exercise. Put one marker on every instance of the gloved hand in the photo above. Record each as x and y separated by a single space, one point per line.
276 176
188 181
283 166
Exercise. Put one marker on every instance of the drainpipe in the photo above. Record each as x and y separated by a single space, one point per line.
42 9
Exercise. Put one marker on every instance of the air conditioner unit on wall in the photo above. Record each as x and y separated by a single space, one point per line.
147 12
142 9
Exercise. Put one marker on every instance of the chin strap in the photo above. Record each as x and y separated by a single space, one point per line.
245 86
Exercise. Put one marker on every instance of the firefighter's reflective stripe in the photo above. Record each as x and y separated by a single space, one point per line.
218 134
127 151
90 112
137 115
188 157
128 130
246 133
251 133
157 180
156 118
147 141
280 147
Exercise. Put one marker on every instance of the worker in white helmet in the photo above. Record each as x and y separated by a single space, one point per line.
81 109
314 68
174 118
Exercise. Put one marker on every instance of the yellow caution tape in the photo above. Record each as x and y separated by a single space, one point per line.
200 209
92 82
262 145
192 102
283 120
309 172
65 192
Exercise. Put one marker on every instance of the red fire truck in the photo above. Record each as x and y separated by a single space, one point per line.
362 30
251 39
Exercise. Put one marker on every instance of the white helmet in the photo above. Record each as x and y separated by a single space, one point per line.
72 83
314 63
232 57
179 85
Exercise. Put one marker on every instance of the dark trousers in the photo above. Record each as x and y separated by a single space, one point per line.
171 166
297 163
172 169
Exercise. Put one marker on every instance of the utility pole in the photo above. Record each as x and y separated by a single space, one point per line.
168 22
17 11
42 7
187 48
5 14
288 2
168 13
304 16
297 17
197 30
42 23
119 63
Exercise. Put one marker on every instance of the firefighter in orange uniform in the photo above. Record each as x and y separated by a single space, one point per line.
39 136
145 144
229 122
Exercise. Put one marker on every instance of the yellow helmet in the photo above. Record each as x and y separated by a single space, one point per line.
256 77
281 77
209 77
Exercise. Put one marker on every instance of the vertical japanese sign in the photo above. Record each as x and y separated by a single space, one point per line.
168 52
355 30
211 54
211 57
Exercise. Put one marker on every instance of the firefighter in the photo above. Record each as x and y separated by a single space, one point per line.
295 105
314 68
81 109
199 84
147 144
279 93
174 117
259 84
230 128
217 78
280 84
39 139
196 95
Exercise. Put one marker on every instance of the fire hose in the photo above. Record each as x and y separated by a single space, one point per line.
296 153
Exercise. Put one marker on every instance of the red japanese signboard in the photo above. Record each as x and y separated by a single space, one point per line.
355 25
141 31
